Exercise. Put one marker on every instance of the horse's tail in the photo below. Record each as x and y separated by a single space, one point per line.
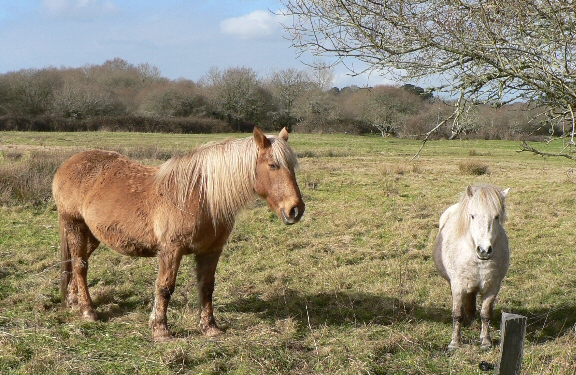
65 265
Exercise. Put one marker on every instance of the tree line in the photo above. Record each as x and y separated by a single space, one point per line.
118 95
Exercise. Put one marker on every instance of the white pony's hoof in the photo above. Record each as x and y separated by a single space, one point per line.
486 346
453 347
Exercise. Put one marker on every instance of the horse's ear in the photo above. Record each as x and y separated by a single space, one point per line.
260 138
284 134
505 192
470 191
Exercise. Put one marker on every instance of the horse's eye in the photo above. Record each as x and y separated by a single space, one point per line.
274 166
472 217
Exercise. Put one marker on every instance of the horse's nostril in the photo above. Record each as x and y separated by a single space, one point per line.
489 250
293 212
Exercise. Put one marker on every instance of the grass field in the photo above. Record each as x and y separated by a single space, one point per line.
351 289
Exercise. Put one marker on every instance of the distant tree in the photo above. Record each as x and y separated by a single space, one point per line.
235 94
321 74
492 51
149 73
30 92
385 108
315 110
285 87
82 98
116 74
172 99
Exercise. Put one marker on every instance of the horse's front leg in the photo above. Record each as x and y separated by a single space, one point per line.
486 315
457 318
168 262
205 271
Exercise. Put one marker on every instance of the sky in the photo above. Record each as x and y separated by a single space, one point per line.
182 38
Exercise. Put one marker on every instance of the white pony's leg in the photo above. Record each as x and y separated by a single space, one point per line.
457 318
486 315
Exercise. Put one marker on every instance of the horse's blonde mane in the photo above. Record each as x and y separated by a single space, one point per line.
222 172
490 197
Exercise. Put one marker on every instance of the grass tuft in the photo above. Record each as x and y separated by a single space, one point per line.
27 180
475 168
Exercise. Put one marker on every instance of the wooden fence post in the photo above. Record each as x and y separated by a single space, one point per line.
513 330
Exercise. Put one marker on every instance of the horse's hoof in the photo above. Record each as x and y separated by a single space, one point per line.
162 338
161 335
212 331
89 316
453 347
485 347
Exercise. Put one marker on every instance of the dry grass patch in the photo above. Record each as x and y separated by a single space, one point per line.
473 167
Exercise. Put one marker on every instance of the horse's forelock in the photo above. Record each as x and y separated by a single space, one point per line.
485 197
491 199
283 154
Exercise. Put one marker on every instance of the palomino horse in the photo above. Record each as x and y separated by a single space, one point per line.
471 252
188 205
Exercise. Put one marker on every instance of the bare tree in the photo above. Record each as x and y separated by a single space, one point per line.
481 51
321 74
285 87
235 93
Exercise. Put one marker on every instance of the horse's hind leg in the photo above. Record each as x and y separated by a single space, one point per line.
486 315
92 244
205 271
81 243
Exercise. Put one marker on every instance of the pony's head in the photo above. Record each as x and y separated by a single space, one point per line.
275 176
486 214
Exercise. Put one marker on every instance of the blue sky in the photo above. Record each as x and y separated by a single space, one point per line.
181 38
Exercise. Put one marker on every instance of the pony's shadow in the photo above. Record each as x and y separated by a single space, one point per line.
337 309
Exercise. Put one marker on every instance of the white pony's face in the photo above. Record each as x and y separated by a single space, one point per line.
485 223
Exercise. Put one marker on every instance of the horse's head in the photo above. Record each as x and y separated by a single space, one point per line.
275 176
486 214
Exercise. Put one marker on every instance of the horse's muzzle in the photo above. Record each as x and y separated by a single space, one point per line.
484 254
293 216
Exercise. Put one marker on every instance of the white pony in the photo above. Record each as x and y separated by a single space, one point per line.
471 252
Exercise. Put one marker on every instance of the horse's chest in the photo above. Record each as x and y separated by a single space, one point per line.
202 240
479 276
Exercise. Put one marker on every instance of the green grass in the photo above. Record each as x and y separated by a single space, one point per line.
350 289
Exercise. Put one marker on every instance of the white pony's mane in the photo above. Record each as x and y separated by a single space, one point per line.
489 198
223 172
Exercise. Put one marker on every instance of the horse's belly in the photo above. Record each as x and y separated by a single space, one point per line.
120 229
124 240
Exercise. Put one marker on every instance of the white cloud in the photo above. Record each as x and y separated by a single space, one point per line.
79 8
258 24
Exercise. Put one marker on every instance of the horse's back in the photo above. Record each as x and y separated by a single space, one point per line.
77 176
104 179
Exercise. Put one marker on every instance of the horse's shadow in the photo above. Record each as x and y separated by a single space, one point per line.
343 308
337 309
